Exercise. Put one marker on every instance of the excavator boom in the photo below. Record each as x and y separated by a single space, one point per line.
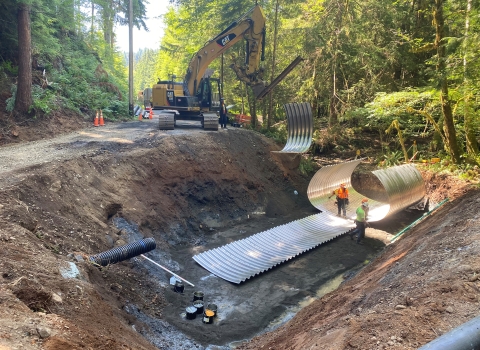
251 27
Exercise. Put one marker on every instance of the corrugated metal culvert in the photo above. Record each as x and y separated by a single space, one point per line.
300 127
243 259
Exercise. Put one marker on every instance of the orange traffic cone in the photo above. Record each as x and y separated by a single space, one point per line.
150 115
95 122
102 123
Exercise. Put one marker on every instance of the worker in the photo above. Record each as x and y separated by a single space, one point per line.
361 221
223 113
342 199
366 209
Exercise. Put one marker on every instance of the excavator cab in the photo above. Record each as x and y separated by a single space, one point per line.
208 94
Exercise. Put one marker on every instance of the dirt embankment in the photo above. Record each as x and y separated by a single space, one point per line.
193 190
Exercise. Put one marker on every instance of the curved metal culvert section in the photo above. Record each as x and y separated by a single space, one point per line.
243 259
328 179
300 127
404 186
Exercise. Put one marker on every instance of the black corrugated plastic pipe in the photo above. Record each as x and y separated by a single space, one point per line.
464 337
124 252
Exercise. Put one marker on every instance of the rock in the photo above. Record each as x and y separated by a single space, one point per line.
56 186
70 271
449 309
43 332
57 298
400 307
109 240
79 258
116 287
464 268
473 278
120 242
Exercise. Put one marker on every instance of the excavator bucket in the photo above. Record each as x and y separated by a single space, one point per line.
260 91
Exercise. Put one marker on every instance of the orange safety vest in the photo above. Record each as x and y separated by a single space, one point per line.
342 193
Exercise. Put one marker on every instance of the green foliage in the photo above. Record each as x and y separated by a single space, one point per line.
307 165
391 158
10 102
401 106
278 133
8 67
43 100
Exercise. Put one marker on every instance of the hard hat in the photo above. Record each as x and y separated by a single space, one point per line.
222 99
364 200
365 204
343 185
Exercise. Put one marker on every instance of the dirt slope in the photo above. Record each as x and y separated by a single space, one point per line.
64 199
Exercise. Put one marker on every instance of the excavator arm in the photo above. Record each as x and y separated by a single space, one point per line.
251 28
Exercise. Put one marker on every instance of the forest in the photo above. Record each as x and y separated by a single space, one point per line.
404 72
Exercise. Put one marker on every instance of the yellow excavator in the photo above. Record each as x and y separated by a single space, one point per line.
198 96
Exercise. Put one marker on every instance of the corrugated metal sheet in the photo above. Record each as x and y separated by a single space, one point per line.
300 127
240 260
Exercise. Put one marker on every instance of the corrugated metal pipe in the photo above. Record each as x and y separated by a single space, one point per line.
124 252
464 337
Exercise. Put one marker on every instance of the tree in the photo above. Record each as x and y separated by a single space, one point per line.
449 126
23 99
471 142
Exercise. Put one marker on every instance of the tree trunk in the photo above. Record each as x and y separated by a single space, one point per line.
275 31
468 114
93 17
23 99
449 126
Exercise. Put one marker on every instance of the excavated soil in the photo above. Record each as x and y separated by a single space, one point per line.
83 193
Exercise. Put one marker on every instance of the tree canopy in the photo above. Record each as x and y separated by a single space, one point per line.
366 63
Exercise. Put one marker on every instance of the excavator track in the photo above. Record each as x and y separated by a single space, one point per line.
166 121
210 121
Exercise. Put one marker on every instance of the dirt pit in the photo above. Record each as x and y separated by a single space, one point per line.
190 190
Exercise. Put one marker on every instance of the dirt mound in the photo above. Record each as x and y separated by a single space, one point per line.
14 131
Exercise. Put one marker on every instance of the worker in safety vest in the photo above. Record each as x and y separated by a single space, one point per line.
223 114
361 221
342 199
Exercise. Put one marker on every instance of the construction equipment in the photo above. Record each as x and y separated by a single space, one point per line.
198 96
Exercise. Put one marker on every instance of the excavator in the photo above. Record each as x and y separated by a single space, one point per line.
198 96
